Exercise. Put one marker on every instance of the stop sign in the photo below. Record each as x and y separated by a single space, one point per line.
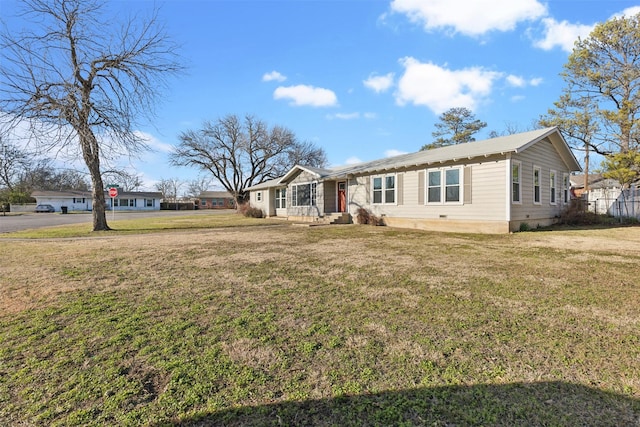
113 192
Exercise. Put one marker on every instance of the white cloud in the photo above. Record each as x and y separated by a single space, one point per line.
519 81
516 81
344 116
439 88
379 83
273 76
351 116
306 95
517 98
536 81
352 161
470 17
154 143
561 34
630 11
393 153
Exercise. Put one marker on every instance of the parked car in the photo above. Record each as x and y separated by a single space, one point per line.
45 208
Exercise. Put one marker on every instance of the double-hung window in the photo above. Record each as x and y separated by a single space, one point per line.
444 185
384 189
281 198
552 187
566 186
537 174
516 179
304 194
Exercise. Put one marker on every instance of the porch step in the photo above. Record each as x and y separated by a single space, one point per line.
337 218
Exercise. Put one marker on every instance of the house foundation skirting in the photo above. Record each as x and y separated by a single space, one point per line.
450 225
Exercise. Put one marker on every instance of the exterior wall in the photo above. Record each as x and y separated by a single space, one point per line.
216 203
263 199
86 203
544 156
482 198
58 202
301 212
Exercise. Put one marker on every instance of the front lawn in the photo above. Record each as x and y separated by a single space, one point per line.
341 325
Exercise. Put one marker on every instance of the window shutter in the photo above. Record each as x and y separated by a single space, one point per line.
467 185
421 188
400 189
367 189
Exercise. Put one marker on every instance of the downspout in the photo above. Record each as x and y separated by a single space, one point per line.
508 192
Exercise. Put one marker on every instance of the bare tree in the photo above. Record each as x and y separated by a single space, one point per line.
240 153
127 181
71 70
14 161
169 188
198 186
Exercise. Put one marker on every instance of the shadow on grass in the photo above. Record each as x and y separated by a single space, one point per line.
529 404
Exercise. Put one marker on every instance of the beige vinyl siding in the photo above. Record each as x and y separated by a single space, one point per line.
266 201
544 156
485 201
314 211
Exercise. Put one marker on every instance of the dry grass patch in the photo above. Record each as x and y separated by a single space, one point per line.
319 326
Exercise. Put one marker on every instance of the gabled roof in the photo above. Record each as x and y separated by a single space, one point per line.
503 145
215 195
88 194
515 143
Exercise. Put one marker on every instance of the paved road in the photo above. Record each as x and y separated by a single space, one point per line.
25 221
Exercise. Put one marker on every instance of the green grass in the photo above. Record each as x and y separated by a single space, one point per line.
350 325
141 226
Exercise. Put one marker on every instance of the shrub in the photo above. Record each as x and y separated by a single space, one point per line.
366 217
247 210
524 226
577 214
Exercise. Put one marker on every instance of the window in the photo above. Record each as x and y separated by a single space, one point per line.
384 189
452 185
444 185
304 194
149 203
537 173
259 196
125 202
552 187
566 186
515 182
203 202
434 187
78 200
281 198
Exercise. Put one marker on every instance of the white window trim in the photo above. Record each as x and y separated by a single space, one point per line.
310 184
566 188
280 198
384 189
539 169
553 187
443 186
258 196
519 164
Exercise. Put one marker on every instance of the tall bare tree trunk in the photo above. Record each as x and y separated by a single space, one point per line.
91 155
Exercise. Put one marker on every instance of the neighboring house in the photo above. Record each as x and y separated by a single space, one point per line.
216 200
606 196
486 186
82 200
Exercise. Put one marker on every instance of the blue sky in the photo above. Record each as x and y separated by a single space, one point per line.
363 79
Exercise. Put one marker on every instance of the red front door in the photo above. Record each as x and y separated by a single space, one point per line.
342 196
